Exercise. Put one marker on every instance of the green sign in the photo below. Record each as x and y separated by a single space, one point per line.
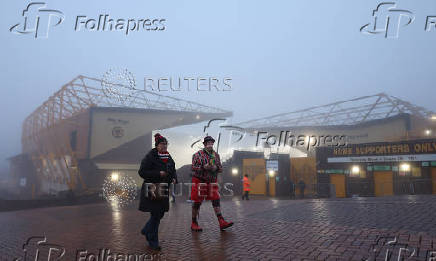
425 164
382 168
334 171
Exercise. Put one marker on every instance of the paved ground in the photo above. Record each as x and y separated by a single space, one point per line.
265 229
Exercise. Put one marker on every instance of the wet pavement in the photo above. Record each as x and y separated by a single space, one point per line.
265 229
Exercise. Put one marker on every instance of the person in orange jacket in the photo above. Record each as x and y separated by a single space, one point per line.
246 186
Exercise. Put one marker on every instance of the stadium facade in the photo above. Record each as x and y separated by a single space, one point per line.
85 133
364 121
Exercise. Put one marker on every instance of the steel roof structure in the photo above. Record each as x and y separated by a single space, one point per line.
348 112
84 92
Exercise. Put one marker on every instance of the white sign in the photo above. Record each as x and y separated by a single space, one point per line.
22 182
272 165
392 158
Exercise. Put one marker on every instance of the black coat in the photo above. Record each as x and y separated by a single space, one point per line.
149 170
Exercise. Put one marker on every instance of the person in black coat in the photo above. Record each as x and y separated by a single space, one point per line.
302 186
158 171
292 189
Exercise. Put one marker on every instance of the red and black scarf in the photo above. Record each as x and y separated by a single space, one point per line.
164 156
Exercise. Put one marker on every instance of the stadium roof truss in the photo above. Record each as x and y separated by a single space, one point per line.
348 112
84 92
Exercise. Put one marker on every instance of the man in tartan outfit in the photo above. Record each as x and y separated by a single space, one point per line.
206 165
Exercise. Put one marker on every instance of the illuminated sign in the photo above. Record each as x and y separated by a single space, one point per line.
385 148
272 165
391 158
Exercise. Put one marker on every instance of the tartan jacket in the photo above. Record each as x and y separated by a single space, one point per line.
199 160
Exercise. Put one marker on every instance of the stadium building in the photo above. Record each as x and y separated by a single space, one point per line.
389 149
90 130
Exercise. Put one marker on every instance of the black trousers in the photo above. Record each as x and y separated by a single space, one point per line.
245 195
151 228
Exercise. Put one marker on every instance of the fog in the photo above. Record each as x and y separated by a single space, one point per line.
281 56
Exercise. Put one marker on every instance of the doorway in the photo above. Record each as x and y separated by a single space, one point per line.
383 183
338 180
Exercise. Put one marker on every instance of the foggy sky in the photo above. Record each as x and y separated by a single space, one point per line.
281 55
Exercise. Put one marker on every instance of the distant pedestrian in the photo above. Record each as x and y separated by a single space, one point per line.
292 189
301 186
173 190
246 187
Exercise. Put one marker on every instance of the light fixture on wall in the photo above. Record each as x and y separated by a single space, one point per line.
405 167
355 170
114 176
